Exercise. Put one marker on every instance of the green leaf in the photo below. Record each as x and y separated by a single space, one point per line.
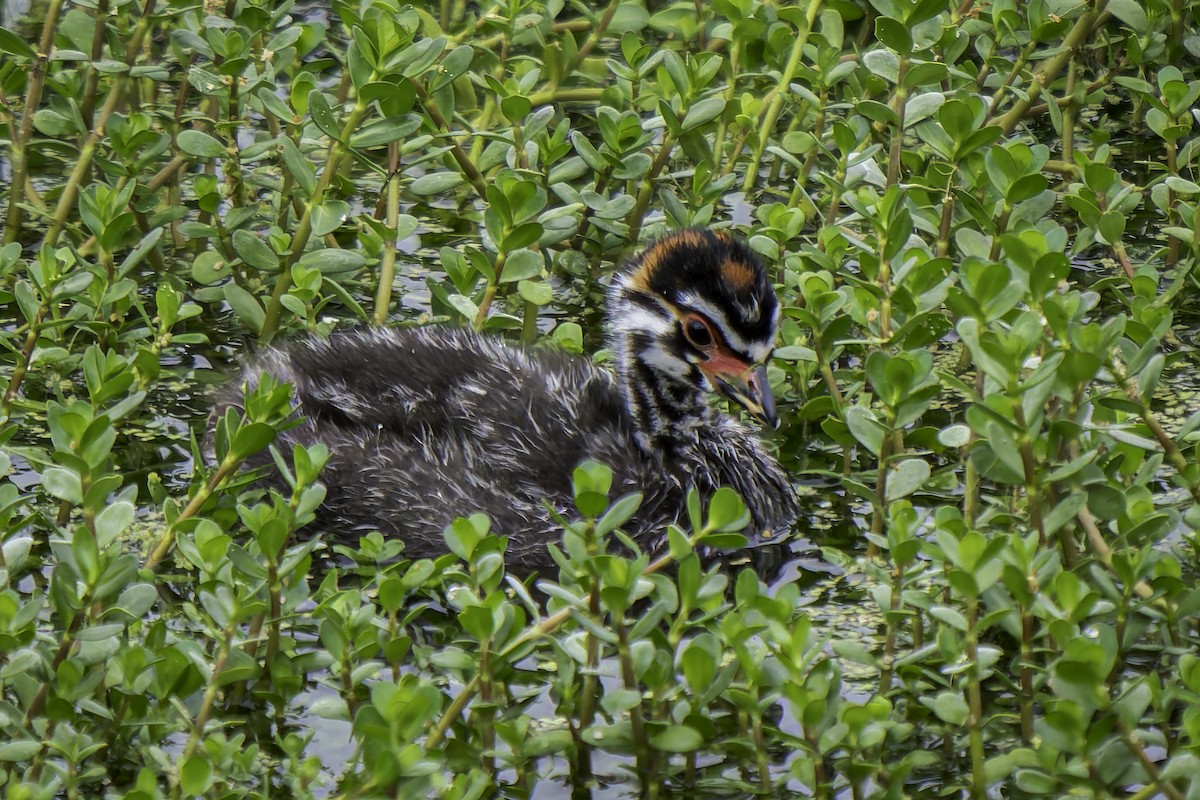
112 521
866 429
199 144
619 513
954 436
521 236
906 477
385 131
420 56
302 170
539 293
322 114
726 511
195 776
463 305
436 183
1132 13
950 707
704 111
328 216
209 267
522 265
254 251
515 108
63 484
246 306
11 43
1111 227
21 750
251 439
137 600
677 739
894 34
949 616
922 106
332 260
547 743
699 665
883 63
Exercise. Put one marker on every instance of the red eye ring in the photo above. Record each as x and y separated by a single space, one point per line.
697 331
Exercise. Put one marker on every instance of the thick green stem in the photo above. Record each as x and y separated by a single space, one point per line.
1027 665
465 164
590 691
1139 752
22 365
206 707
638 214
1052 67
975 705
20 143
337 151
644 755
489 294
899 105
167 540
777 96
880 506
100 31
594 37
66 202
387 266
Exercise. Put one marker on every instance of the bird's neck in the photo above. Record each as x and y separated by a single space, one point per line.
664 405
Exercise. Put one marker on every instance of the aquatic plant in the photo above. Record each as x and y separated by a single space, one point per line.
984 226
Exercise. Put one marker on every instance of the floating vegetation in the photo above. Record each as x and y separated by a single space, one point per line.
982 225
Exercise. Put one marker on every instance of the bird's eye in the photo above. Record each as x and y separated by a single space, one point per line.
697 333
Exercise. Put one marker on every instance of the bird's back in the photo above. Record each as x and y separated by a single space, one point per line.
425 425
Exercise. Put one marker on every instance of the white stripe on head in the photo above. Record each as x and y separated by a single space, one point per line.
632 317
663 361
757 349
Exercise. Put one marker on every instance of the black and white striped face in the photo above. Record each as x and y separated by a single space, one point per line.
697 307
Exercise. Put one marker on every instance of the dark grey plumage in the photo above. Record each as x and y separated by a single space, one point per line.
428 424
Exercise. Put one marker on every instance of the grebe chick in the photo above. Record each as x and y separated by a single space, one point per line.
425 425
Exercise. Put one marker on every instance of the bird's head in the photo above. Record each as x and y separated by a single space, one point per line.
696 307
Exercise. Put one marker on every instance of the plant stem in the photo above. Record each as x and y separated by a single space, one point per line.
167 540
100 31
33 99
644 755
880 504
66 202
206 707
975 704
893 628
489 294
337 151
775 99
1174 455
899 104
22 365
638 214
594 37
590 691
1052 66
387 266
1139 752
465 164
1027 665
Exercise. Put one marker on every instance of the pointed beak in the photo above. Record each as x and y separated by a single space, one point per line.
750 389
